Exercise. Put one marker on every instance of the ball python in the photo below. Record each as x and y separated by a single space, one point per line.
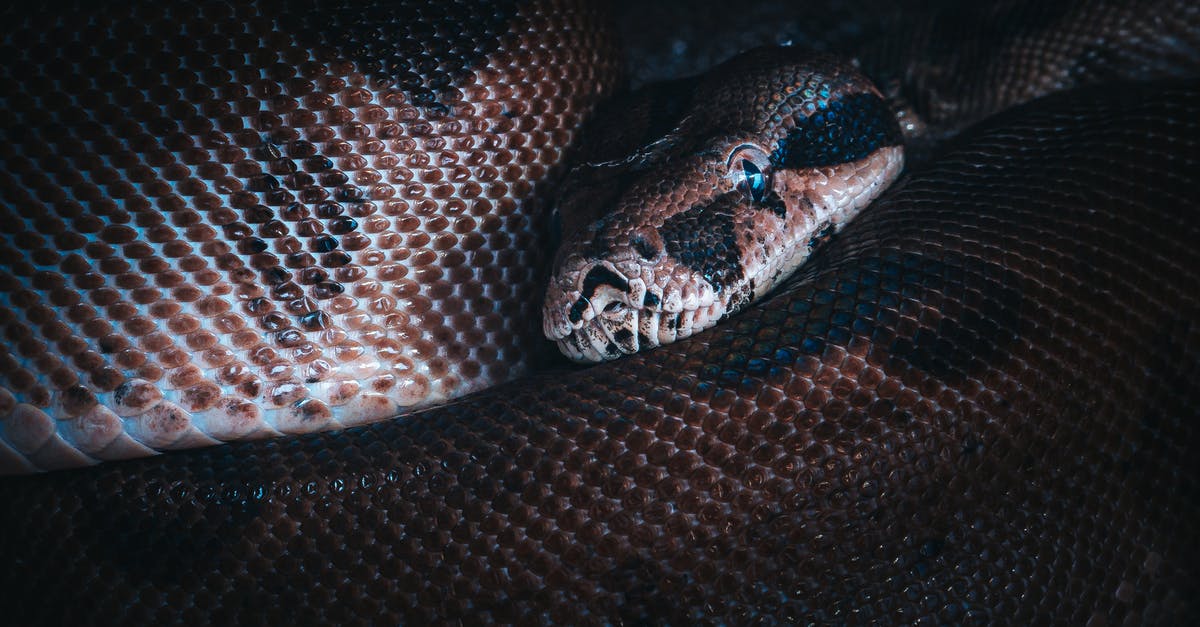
975 404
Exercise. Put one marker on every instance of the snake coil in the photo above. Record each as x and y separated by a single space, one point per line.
976 404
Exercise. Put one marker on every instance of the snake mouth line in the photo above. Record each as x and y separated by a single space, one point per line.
606 338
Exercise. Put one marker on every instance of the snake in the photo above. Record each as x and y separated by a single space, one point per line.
665 261
973 403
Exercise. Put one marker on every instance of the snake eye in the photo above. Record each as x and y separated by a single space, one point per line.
754 182
750 168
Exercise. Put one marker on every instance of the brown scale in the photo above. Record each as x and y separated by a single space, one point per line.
977 406
282 221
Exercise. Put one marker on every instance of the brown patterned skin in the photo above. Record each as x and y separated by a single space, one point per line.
772 152
977 405
976 59
987 425
238 220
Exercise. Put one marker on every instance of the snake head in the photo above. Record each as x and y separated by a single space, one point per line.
768 156
631 298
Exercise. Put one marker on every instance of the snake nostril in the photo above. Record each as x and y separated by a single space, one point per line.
601 276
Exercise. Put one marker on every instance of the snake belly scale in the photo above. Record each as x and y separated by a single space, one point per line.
975 404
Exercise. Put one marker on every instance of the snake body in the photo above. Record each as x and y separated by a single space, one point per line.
976 404
290 218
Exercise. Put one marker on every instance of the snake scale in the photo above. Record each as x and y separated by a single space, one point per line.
975 404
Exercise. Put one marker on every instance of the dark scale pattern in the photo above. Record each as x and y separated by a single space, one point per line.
846 130
222 220
703 239
975 59
442 38
977 406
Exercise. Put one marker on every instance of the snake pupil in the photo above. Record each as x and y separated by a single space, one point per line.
755 181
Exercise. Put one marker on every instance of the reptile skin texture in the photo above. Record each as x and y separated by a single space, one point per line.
291 218
975 405
667 237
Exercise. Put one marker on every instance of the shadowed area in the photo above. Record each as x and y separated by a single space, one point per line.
974 406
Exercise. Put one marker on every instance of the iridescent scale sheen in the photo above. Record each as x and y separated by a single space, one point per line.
231 220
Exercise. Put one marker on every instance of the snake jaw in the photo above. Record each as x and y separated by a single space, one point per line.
599 310
594 322
588 303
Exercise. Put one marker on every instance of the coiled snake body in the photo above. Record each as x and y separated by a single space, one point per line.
976 404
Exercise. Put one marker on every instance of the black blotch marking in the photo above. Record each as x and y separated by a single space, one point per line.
350 194
577 309
342 225
323 244
262 183
318 163
846 130
314 321
332 288
600 275
773 203
276 275
121 392
623 335
281 197
251 245
650 300
612 349
329 209
421 47
644 249
703 239
643 340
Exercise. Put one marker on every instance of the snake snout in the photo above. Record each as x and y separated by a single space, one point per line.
593 310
